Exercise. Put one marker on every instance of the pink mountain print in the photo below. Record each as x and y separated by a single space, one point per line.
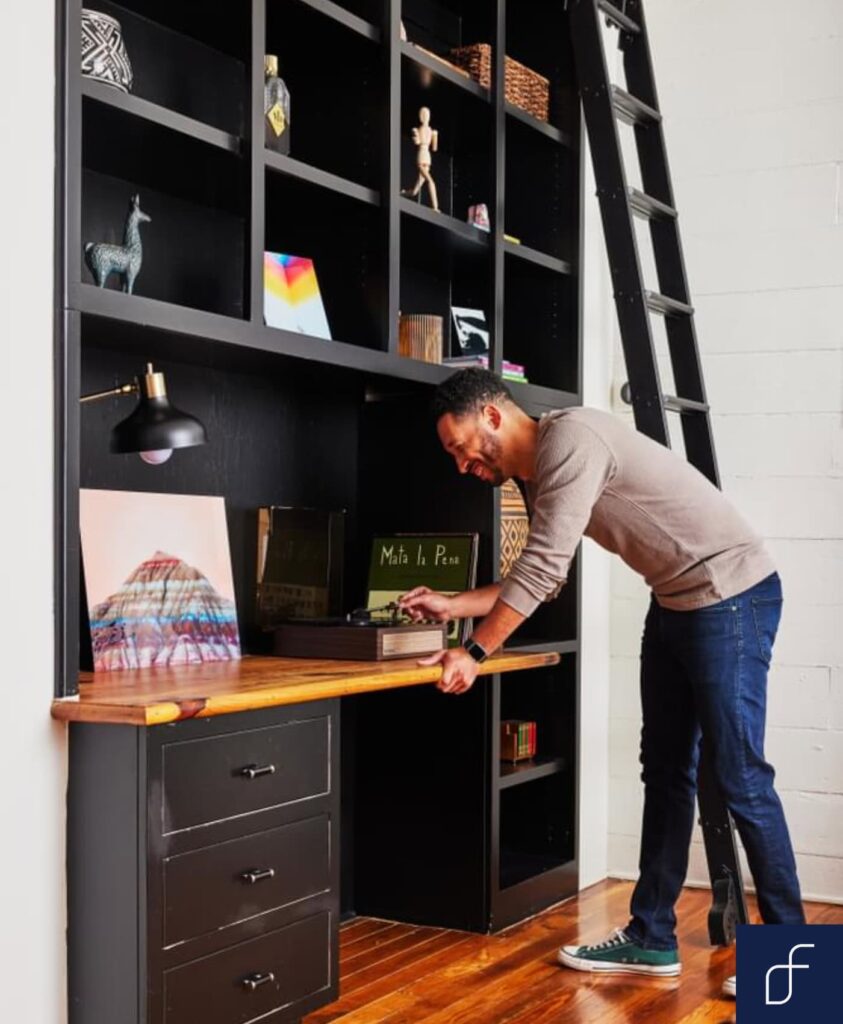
166 613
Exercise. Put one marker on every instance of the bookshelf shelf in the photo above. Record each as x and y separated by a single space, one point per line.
529 771
279 163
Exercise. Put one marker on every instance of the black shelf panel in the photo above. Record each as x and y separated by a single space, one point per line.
427 69
282 164
462 231
344 17
528 771
188 56
135 106
540 259
535 396
141 318
544 647
549 131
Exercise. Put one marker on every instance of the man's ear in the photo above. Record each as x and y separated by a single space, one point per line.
492 416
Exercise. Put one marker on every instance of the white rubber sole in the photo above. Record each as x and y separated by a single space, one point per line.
729 987
596 967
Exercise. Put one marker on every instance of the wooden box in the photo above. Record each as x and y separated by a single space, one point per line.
359 643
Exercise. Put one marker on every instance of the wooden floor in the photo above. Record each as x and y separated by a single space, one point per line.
404 974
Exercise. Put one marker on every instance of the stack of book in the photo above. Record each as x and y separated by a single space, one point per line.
509 371
518 740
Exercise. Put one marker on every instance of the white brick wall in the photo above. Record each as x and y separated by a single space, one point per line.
752 94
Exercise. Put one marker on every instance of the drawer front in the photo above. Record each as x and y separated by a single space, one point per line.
254 979
208 889
218 777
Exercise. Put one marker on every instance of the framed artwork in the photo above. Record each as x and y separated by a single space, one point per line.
291 296
445 562
471 330
158 577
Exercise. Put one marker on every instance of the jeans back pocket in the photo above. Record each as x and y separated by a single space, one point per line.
766 615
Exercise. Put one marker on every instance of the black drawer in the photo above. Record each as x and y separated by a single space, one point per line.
217 886
254 979
219 777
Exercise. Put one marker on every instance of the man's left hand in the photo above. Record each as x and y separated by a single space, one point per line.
459 669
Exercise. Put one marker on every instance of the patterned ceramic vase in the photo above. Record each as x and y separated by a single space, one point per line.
104 56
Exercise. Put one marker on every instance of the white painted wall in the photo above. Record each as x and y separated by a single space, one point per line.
752 94
32 748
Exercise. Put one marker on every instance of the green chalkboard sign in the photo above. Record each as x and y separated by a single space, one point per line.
446 562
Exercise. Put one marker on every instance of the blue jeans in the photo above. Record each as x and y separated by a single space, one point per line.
704 673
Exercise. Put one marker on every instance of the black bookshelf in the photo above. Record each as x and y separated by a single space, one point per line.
300 420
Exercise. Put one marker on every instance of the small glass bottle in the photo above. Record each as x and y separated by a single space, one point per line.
276 107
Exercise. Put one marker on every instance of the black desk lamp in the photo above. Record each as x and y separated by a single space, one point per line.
155 427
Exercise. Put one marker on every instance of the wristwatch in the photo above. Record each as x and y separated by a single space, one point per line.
477 651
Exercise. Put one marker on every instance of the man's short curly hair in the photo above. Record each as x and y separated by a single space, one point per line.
468 391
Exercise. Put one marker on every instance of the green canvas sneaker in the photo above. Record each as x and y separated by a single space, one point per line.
619 955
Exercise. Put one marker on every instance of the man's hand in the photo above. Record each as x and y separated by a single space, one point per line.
424 603
459 669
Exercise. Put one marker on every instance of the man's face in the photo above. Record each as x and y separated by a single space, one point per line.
474 443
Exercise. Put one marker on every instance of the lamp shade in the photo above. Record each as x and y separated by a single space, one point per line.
155 424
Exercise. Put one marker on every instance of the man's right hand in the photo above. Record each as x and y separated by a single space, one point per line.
424 603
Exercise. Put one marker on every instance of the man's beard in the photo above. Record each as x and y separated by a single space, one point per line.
491 449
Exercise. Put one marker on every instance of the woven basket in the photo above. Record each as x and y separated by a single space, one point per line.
524 87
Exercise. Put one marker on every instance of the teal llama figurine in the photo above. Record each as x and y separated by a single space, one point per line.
104 259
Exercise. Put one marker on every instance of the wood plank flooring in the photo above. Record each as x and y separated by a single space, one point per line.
402 974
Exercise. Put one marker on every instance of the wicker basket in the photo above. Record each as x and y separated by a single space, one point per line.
524 87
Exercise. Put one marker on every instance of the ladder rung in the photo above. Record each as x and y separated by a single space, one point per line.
674 404
632 110
647 206
666 306
618 17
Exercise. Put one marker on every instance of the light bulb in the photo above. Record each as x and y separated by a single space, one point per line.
155 458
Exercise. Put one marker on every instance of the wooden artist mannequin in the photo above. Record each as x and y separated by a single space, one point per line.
427 140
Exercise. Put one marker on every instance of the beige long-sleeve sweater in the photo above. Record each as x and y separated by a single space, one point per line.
598 477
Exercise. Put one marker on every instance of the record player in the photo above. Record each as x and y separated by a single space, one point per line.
365 634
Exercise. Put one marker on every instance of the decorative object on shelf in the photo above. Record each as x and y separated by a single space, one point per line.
523 87
518 740
291 296
158 579
420 336
300 564
402 32
426 140
509 371
515 526
104 56
104 258
478 215
155 427
471 330
359 640
444 562
512 239
276 107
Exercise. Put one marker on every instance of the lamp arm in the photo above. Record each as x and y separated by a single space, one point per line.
122 389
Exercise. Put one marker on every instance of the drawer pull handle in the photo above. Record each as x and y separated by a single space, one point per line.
253 771
257 875
254 981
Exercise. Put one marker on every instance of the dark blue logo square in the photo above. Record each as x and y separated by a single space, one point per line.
788 973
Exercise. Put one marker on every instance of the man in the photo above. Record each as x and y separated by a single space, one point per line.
708 637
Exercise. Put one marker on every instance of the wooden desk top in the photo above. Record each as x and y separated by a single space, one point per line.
155 696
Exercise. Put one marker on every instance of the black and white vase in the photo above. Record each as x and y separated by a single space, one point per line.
104 56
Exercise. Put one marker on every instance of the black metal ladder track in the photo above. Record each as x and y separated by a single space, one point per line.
604 105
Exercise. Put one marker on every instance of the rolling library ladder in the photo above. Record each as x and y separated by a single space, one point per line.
603 104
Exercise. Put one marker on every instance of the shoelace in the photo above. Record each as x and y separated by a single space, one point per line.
617 938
